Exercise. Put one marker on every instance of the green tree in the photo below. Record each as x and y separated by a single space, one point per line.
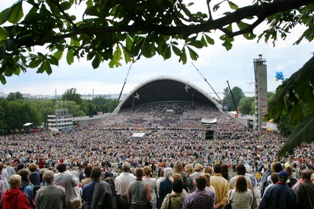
72 95
14 96
294 103
237 94
245 105
75 109
126 30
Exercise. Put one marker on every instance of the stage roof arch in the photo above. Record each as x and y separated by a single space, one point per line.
165 88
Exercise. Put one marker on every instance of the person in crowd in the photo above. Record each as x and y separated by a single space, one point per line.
188 169
2 187
50 196
165 186
208 186
26 186
225 172
87 179
221 186
122 182
305 191
241 197
178 168
291 180
161 177
152 183
4 174
97 194
275 167
274 180
34 176
279 196
67 181
10 169
209 170
198 171
201 198
139 195
176 198
10 197
241 170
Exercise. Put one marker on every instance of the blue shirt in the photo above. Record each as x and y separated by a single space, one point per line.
200 199
87 193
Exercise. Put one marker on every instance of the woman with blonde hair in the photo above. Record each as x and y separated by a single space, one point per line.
152 183
178 168
241 197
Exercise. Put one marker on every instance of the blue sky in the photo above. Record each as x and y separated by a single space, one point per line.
215 63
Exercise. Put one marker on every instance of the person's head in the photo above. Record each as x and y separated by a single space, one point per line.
289 170
178 167
241 184
306 174
88 170
283 176
139 173
208 169
276 167
217 168
161 174
188 169
96 172
225 171
126 167
177 176
274 177
168 172
32 167
177 185
147 170
241 170
200 182
61 167
15 181
48 176
198 167
207 176
24 173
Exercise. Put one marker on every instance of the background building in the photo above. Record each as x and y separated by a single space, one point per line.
261 109
62 120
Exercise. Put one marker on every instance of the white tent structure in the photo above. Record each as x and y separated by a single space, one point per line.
138 136
209 121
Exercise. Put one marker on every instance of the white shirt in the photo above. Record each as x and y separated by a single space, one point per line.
122 183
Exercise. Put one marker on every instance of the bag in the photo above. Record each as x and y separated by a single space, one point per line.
74 203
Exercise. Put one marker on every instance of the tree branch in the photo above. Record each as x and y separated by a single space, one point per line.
259 11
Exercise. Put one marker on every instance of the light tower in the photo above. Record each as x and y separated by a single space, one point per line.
261 109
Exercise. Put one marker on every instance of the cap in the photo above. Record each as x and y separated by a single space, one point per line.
283 175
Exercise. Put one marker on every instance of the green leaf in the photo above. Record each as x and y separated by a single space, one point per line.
66 5
209 40
3 35
216 6
16 13
167 53
96 62
183 56
35 63
45 67
176 50
115 61
233 5
242 25
304 132
58 55
4 15
193 54
70 56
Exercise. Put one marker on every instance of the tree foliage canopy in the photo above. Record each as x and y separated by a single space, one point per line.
114 31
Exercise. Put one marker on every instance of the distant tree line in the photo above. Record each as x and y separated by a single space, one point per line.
15 110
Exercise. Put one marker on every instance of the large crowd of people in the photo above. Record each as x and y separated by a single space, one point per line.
173 132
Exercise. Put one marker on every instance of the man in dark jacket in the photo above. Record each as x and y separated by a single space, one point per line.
305 191
279 196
